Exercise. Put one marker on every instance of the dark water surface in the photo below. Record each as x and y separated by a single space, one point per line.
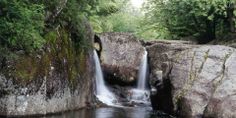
110 112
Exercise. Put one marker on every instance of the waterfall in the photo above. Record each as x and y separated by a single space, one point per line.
102 92
143 72
141 94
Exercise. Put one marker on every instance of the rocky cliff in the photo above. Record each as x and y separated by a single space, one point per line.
58 78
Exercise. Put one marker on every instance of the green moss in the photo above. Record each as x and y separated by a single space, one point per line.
204 61
82 62
45 63
60 52
70 60
26 68
51 37
217 83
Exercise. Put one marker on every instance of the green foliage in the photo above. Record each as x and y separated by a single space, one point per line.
104 9
21 25
116 16
72 17
42 34
204 19
24 22
123 22
107 7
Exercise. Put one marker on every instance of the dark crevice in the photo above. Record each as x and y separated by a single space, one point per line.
162 101
98 41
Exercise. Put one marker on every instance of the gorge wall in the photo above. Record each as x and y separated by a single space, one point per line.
58 78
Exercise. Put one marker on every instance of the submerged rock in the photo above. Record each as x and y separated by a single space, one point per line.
121 55
198 81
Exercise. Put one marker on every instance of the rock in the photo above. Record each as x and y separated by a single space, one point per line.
121 56
198 81
97 46
58 81
170 42
222 103
156 80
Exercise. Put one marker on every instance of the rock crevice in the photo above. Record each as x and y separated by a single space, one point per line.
199 77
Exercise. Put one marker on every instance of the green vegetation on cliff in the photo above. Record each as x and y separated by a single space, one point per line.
21 25
39 36
24 23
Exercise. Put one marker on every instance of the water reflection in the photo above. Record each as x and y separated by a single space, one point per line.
104 113
109 113
138 113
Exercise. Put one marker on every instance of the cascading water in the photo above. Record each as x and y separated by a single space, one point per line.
143 72
141 94
102 92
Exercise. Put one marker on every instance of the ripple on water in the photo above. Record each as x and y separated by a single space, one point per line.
111 112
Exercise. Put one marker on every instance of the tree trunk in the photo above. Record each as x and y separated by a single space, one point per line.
210 33
231 18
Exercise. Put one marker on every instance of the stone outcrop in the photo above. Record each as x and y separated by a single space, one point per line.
56 79
120 55
197 81
187 80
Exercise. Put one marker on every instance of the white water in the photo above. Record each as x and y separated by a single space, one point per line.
143 72
102 92
141 94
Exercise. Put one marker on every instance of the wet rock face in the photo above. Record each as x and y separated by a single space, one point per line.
46 94
56 80
200 80
121 56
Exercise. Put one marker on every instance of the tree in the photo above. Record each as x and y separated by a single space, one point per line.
24 23
203 19
100 18
230 15
21 25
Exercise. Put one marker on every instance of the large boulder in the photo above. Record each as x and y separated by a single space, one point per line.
120 55
56 79
197 81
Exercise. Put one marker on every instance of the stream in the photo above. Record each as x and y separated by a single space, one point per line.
139 95
111 112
